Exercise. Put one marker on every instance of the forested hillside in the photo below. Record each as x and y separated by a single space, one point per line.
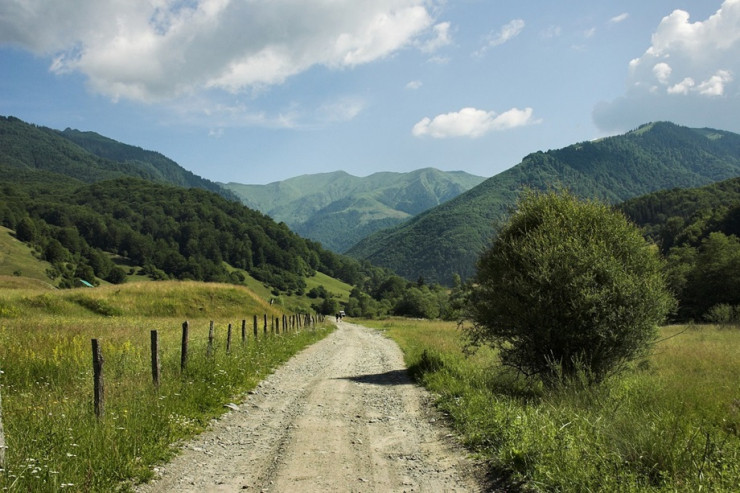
698 230
171 232
447 239
338 209
89 157
104 214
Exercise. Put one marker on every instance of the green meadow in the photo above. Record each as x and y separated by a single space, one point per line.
54 439
669 423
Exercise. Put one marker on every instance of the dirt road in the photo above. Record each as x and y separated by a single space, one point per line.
340 416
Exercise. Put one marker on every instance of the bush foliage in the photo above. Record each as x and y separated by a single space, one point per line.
568 286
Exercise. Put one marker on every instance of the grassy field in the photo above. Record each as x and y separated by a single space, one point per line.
671 423
54 440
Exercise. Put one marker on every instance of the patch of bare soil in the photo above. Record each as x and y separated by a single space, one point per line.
340 416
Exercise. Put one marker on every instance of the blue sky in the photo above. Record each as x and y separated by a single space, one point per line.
255 91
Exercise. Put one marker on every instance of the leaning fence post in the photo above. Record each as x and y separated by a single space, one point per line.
99 397
155 358
184 350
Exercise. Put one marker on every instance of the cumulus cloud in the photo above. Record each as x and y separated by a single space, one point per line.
662 72
150 50
687 74
414 85
472 122
507 32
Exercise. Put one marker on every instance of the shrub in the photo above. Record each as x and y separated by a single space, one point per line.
567 288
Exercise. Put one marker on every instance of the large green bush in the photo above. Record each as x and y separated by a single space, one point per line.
567 287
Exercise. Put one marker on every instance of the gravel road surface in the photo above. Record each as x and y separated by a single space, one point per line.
342 415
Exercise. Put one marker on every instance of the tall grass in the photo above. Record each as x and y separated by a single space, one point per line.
671 423
55 441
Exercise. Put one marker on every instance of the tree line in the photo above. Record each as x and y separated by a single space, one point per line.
698 232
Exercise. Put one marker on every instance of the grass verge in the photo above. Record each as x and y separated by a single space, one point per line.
54 440
671 423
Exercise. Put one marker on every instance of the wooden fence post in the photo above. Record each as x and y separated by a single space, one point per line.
2 436
244 331
210 338
99 391
155 358
285 323
255 327
228 339
265 324
184 350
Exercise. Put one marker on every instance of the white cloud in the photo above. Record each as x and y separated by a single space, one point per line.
619 18
686 74
413 85
441 38
662 72
506 33
715 85
472 122
150 50
682 87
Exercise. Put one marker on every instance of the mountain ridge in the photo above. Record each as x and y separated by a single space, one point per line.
447 240
337 208
88 157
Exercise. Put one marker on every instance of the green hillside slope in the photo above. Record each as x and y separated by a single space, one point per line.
448 239
86 157
156 165
338 209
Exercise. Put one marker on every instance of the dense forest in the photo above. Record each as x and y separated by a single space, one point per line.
698 231
448 239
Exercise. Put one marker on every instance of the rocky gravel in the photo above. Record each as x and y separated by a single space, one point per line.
342 415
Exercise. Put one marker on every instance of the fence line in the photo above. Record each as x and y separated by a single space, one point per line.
289 324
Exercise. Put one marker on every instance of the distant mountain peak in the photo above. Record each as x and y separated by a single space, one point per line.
338 209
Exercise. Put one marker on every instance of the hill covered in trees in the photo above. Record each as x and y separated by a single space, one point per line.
100 211
88 157
447 239
338 209
698 231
